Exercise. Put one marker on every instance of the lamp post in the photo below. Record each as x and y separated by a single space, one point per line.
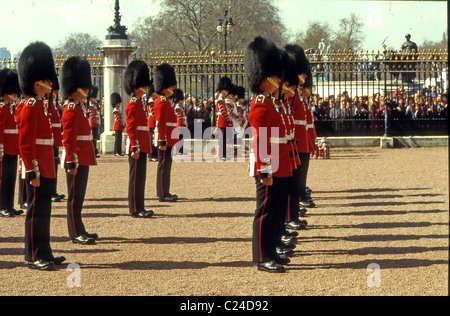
225 27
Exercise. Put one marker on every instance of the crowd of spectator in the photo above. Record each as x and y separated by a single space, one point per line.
428 103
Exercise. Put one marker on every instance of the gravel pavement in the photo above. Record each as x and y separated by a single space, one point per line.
381 227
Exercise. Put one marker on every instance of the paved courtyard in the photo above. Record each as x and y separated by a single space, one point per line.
381 227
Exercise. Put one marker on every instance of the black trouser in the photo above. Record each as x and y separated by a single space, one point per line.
76 188
304 160
57 162
294 195
22 191
163 173
118 142
154 153
136 185
96 136
223 143
37 222
8 167
268 223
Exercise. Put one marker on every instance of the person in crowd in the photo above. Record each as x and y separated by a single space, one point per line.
119 124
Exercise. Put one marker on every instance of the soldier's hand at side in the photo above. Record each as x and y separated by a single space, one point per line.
72 172
163 148
135 155
36 182
267 181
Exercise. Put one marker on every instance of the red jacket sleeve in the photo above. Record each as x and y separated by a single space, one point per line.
27 136
132 123
161 108
70 132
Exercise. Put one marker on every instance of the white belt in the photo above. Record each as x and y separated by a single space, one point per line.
278 140
11 131
56 125
310 126
300 122
169 124
47 142
143 128
85 137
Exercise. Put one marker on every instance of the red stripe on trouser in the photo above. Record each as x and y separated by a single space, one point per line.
260 225
73 198
162 171
32 220
134 186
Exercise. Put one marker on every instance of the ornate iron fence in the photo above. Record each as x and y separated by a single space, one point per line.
335 73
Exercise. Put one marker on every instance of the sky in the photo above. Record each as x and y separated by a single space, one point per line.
25 21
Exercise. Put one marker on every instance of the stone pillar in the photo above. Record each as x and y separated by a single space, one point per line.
117 56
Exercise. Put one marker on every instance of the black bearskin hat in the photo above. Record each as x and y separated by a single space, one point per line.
9 82
94 93
35 63
309 79
289 68
233 90
240 91
178 95
115 98
136 76
261 60
224 84
301 61
164 77
75 74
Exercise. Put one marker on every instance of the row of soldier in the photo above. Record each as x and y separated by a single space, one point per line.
38 125
283 140
34 133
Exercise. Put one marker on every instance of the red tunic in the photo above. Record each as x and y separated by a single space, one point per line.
310 128
94 116
301 135
181 118
222 113
166 122
267 123
77 135
9 134
118 120
36 138
137 128
56 124
151 113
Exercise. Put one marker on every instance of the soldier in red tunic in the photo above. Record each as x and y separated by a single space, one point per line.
119 124
22 196
9 142
165 83
303 120
151 97
178 104
36 75
137 80
55 119
77 140
269 161
94 118
223 120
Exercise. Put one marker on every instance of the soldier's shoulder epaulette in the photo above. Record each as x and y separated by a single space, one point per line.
31 102
71 105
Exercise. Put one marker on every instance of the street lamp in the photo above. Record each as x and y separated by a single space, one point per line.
225 27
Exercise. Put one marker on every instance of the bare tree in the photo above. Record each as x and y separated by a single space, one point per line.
349 35
78 44
313 34
191 25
